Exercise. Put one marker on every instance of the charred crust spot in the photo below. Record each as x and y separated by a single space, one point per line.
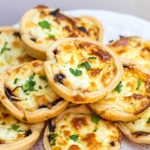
122 42
112 143
55 51
148 84
24 118
41 6
59 78
56 101
0 32
83 29
51 127
78 98
137 96
28 132
78 122
50 105
17 34
55 12
33 39
103 55
140 133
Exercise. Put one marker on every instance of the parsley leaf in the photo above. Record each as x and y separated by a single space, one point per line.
44 24
95 119
53 138
92 57
86 65
76 72
15 127
15 81
43 77
74 137
51 36
95 130
5 48
119 87
29 85
139 83
148 121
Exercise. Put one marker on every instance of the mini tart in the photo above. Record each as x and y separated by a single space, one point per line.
77 68
78 129
15 135
129 99
11 49
133 48
139 130
41 26
25 92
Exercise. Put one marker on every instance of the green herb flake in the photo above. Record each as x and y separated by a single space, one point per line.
119 87
40 87
5 48
29 85
95 130
76 72
92 57
74 137
95 119
139 83
148 120
15 81
43 77
44 24
15 127
53 139
51 36
85 64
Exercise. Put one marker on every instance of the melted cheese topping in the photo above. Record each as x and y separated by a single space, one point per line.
83 132
11 130
29 86
133 48
11 50
131 94
44 27
84 66
142 124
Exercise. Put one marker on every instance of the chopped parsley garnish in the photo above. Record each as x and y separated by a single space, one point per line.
139 83
43 77
5 48
51 36
29 85
53 138
92 57
15 127
119 87
86 65
95 119
44 24
148 121
95 130
15 81
76 72
74 137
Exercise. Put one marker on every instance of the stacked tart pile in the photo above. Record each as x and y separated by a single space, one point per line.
56 75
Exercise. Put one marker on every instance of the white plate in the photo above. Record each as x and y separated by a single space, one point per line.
115 24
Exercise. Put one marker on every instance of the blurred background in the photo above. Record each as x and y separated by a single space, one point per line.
12 10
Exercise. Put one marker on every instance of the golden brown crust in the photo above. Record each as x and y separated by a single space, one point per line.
142 138
79 96
21 113
82 109
14 42
38 51
26 143
109 109
134 49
